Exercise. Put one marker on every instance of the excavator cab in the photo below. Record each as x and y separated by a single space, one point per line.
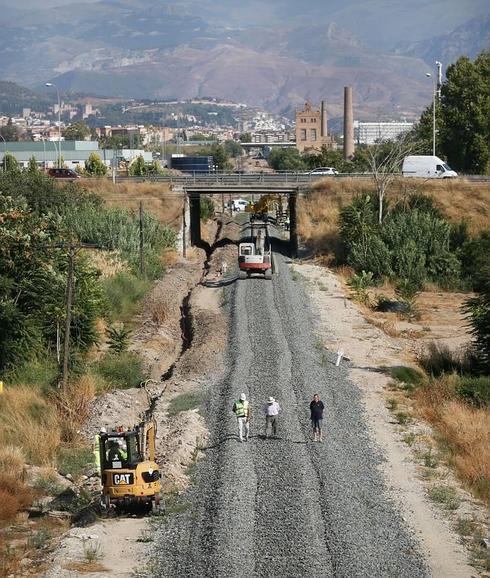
129 473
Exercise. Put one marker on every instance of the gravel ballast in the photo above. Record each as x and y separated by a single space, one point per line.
285 507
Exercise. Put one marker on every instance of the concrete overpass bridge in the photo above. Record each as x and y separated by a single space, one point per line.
193 193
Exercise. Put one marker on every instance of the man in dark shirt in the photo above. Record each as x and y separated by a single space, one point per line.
316 410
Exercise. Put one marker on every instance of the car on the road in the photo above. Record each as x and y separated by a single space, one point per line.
239 205
67 174
324 171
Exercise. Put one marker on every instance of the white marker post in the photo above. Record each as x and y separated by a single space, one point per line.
340 354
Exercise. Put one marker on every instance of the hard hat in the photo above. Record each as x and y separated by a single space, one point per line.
243 397
271 400
103 430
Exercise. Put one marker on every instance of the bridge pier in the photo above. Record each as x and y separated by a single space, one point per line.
293 229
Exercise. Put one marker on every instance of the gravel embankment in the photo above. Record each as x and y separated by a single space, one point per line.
285 507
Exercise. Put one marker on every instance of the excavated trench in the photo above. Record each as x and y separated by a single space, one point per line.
186 323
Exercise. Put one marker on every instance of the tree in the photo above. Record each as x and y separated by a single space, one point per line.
465 111
385 160
32 166
138 167
233 148
9 132
221 158
478 309
76 131
245 137
94 166
328 158
10 163
286 160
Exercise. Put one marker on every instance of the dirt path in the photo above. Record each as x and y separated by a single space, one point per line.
119 546
342 326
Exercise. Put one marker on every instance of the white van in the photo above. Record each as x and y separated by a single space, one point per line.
427 167
239 205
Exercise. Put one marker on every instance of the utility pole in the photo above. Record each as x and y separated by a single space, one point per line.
69 298
142 259
73 249
184 229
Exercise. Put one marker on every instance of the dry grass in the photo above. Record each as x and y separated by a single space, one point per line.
465 429
157 198
318 212
73 404
29 421
14 496
12 460
109 263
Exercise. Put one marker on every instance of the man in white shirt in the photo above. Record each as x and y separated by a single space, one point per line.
271 411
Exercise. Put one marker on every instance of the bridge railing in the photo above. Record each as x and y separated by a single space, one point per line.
283 177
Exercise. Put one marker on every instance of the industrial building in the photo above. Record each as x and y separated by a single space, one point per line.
73 153
311 129
371 132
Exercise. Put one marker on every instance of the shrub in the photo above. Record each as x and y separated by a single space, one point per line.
474 259
183 402
48 483
413 243
94 166
207 208
73 403
407 375
478 309
123 370
74 460
118 338
14 496
476 390
438 358
12 460
359 283
42 372
123 292
28 420
445 496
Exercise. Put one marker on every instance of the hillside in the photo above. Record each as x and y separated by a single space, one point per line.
270 55
467 39
13 98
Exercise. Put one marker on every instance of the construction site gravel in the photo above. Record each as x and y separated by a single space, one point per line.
286 506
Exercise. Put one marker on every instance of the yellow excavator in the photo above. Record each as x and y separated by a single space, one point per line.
129 473
259 211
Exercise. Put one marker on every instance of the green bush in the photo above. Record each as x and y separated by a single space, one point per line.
42 372
407 375
74 461
119 229
123 371
207 208
476 390
123 293
474 259
183 402
413 244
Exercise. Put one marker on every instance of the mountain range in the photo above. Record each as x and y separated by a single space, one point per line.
274 54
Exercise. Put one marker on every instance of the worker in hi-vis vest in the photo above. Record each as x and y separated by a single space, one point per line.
96 448
241 408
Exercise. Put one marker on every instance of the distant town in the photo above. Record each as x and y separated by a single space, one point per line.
76 129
